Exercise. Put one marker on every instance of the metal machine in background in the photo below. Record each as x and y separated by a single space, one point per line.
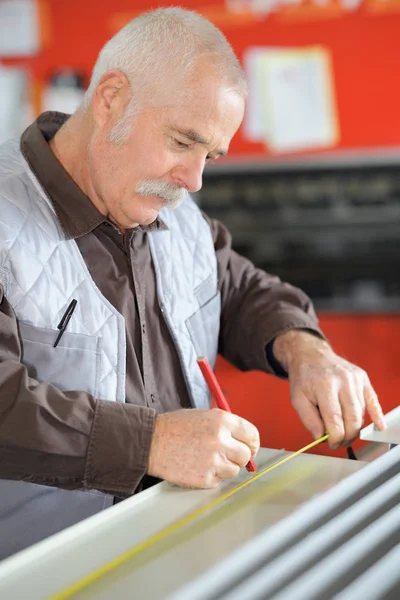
312 528
329 226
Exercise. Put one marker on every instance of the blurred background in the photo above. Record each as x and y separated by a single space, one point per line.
311 187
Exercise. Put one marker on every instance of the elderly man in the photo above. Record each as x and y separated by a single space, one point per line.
107 296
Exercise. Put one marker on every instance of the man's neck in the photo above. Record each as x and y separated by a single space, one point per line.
70 146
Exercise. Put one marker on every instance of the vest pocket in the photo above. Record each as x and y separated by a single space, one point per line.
73 365
203 327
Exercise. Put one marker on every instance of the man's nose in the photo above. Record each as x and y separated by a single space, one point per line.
190 175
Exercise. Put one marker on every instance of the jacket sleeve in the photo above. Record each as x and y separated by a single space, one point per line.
66 439
256 308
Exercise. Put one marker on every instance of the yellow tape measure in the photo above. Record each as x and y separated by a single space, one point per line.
86 581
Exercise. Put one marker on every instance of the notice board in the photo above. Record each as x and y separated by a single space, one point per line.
361 38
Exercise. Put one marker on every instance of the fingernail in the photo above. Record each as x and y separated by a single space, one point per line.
380 424
316 434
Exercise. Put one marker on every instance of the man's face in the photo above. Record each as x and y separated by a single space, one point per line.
165 153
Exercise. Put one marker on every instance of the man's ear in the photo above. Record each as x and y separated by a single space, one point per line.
110 98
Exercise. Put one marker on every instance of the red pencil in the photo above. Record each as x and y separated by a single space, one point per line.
218 395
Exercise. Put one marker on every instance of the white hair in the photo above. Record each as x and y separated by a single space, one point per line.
161 47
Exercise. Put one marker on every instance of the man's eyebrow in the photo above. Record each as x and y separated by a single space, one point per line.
192 135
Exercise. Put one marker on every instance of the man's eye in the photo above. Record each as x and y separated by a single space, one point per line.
181 144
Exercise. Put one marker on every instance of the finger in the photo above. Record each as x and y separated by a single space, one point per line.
245 432
373 407
352 410
331 413
227 469
360 395
238 453
209 481
309 415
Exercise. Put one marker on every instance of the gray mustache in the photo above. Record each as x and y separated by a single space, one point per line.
172 194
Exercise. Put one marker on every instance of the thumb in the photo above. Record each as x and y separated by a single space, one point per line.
309 415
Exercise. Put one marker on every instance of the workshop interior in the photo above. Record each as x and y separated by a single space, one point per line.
310 191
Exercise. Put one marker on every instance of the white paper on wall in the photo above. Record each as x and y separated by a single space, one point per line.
15 107
253 62
19 28
291 103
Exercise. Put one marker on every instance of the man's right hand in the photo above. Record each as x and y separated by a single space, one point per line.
198 448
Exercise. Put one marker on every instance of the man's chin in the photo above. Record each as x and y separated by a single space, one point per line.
149 216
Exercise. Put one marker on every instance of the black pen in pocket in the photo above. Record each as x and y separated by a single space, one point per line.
65 320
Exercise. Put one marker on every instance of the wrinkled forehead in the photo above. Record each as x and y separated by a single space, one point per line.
204 86
210 107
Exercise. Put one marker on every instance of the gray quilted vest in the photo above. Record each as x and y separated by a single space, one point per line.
41 272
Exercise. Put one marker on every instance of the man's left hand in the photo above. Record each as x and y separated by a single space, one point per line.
329 393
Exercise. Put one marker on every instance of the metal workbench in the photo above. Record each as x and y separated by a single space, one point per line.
316 527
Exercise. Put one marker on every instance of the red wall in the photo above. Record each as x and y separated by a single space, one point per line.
365 47
366 55
371 341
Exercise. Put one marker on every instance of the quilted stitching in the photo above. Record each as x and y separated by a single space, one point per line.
184 258
4 279
33 235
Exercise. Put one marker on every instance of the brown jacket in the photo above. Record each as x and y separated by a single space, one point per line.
71 439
